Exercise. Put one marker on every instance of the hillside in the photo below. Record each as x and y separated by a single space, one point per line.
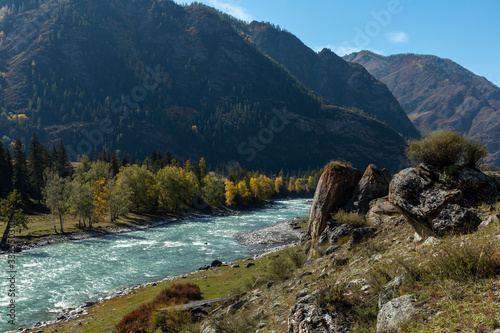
340 82
139 76
439 94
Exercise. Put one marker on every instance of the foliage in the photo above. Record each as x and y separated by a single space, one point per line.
230 192
153 316
446 148
213 191
100 196
142 183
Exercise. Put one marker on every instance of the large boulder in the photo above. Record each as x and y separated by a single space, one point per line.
373 185
335 187
423 193
394 314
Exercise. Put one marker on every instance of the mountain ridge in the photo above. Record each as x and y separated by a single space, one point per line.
439 94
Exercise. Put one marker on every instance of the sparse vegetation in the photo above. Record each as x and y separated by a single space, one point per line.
352 219
446 148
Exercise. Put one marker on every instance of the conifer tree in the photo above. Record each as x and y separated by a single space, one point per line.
5 171
20 170
63 164
37 163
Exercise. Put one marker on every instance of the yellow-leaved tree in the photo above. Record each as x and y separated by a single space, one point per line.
230 192
100 195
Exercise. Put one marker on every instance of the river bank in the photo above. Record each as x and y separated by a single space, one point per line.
276 237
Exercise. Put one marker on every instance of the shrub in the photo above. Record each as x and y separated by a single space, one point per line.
139 319
171 319
280 269
296 257
136 320
352 219
446 148
178 293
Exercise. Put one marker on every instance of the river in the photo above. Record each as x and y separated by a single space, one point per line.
66 275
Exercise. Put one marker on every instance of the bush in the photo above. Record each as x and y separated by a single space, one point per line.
280 269
139 319
136 320
171 319
442 149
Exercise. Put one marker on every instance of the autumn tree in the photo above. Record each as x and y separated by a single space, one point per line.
212 191
119 200
142 183
100 196
244 193
230 192
278 184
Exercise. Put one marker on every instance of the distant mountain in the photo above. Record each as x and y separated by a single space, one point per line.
143 75
341 83
440 94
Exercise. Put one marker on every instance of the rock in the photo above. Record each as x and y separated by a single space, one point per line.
389 290
306 317
332 249
250 264
489 220
236 306
262 325
235 266
335 187
373 185
423 193
395 313
269 284
204 268
302 293
380 210
431 241
455 219
216 263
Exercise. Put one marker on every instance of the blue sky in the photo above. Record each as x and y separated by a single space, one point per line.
467 32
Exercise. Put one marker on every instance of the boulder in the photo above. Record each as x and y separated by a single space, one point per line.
423 193
216 263
389 290
395 313
373 185
306 317
335 187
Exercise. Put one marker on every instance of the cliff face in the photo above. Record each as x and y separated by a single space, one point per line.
341 83
439 94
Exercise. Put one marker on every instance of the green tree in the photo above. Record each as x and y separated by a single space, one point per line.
37 163
21 178
5 171
63 164
56 195
143 185
80 201
212 191
119 199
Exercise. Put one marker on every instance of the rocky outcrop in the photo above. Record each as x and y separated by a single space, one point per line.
335 188
395 313
373 185
427 198
306 317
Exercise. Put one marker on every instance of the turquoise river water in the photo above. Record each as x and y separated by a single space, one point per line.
66 275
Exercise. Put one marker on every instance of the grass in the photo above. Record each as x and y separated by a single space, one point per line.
352 219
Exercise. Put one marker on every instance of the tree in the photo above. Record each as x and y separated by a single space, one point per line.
12 215
143 185
278 184
119 199
212 191
37 163
202 168
230 192
55 195
80 195
21 178
100 196
244 192
63 164
5 171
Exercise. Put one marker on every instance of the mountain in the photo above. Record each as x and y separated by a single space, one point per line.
142 75
341 83
439 94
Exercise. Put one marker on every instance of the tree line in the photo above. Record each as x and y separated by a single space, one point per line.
106 186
